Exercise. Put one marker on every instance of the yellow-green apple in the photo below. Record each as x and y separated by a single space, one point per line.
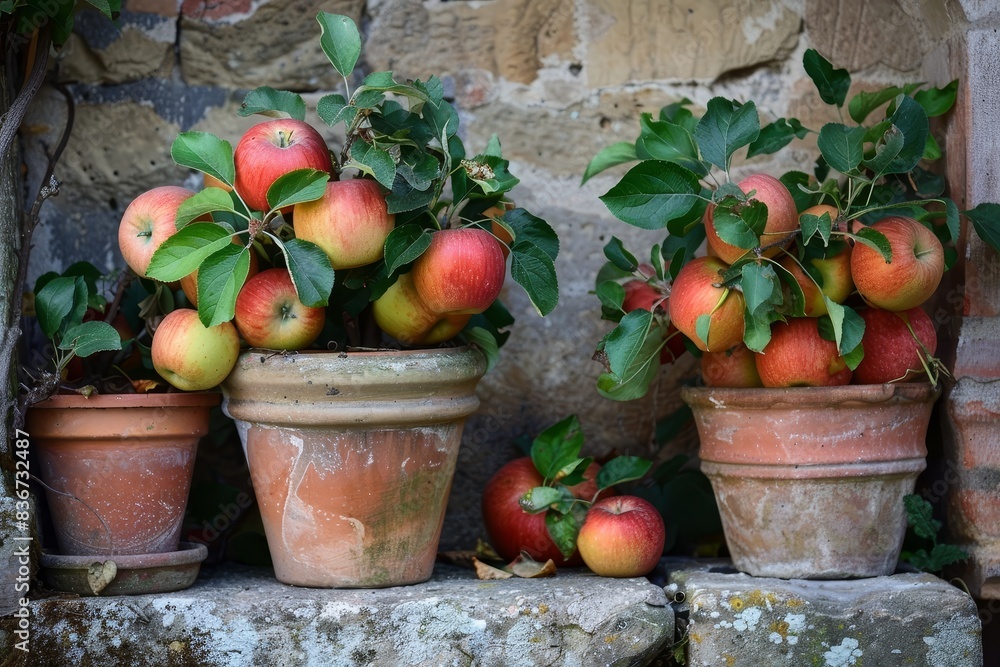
512 530
735 367
189 283
782 218
401 313
461 272
892 354
147 222
191 356
798 356
697 290
641 294
835 279
350 222
622 536
913 274
270 150
269 314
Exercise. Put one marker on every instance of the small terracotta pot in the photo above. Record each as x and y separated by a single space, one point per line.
119 468
810 480
352 457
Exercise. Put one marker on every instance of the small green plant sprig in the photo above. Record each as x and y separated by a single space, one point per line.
556 455
404 135
920 517
866 169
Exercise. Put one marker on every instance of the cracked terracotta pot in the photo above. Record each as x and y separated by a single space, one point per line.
810 480
118 468
352 457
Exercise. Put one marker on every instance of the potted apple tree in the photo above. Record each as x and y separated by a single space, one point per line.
817 358
365 284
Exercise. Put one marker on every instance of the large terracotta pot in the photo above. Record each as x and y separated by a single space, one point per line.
810 481
118 468
352 457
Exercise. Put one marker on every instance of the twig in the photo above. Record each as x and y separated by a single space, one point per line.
11 121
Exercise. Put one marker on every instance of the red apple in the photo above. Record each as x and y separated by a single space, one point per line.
697 291
350 222
622 536
189 283
782 218
835 280
891 352
402 314
914 273
190 356
461 273
147 222
272 149
797 356
510 528
269 314
641 294
735 367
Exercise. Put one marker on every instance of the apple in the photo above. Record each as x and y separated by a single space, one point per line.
835 280
697 291
797 356
350 222
511 529
782 218
147 222
189 283
641 294
401 313
735 367
622 536
269 314
191 356
913 274
502 235
461 272
270 150
891 352
210 181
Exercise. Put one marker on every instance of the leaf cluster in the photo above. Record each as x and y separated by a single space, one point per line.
877 164
920 517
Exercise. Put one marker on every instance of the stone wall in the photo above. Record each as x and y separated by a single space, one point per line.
557 80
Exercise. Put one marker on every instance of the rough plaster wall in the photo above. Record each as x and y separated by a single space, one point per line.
556 79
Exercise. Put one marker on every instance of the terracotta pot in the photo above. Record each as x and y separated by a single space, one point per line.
119 468
810 481
352 457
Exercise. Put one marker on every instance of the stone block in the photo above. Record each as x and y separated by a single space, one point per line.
140 45
246 617
904 619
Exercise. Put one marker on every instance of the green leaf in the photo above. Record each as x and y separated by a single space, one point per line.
756 328
772 138
653 193
556 447
703 326
418 168
609 156
841 146
616 253
442 118
220 278
527 227
404 197
634 380
886 152
273 103
184 251
311 271
54 302
740 224
206 153
89 337
678 114
340 40
761 287
665 141
209 200
986 221
863 104
622 469
875 240
564 528
367 98
911 120
104 7
534 270
404 244
792 180
920 515
297 186
333 109
725 128
612 296
486 342
932 151
848 326
831 83
540 498
937 101
374 162
943 555
812 225
951 220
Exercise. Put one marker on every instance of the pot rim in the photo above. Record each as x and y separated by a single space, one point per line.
808 397
172 399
